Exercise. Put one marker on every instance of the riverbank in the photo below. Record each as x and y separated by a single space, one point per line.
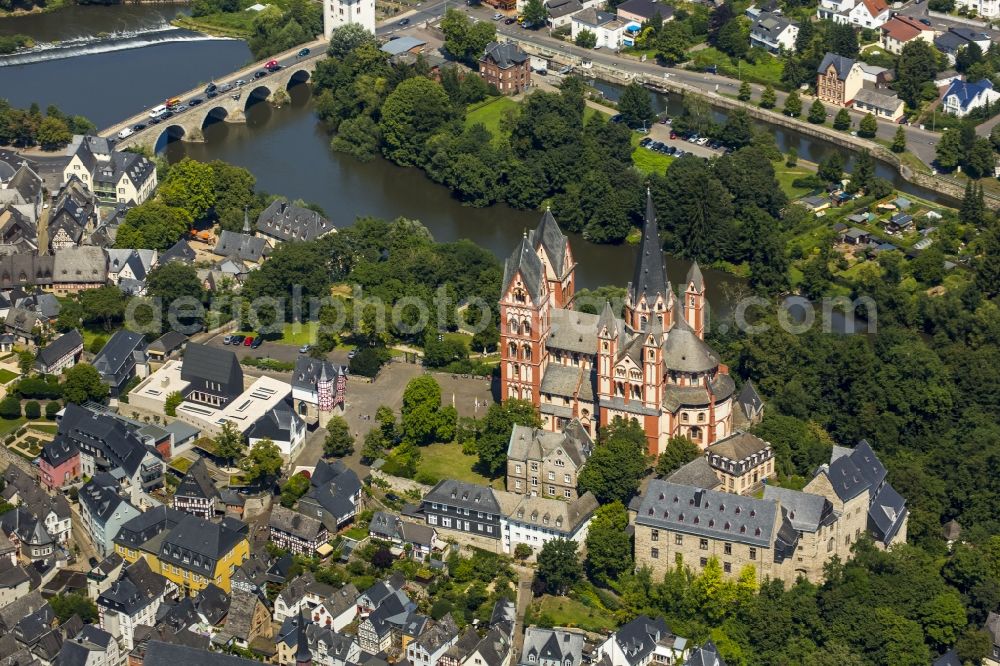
238 29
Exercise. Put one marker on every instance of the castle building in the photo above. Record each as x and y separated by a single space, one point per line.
650 365
345 12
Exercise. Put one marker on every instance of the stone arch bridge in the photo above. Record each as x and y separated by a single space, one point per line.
227 106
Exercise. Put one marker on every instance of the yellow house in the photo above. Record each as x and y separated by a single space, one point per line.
190 551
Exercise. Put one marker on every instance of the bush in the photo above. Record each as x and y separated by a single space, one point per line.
32 410
51 409
369 360
97 344
10 408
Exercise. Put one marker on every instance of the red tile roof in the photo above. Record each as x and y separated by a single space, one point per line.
875 7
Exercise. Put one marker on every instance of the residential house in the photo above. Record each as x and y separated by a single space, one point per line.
390 625
706 655
102 576
73 213
60 354
197 494
127 267
296 532
963 97
103 512
417 540
322 645
243 246
856 236
77 269
838 79
107 445
900 30
27 532
642 641
505 66
427 648
535 521
15 582
860 13
18 232
464 507
742 462
608 28
957 38
301 593
51 511
551 647
641 11
59 464
993 629
189 551
180 251
122 359
334 495
23 325
560 12
899 223
879 104
773 32
159 653
380 590
282 426
283 221
547 463
90 647
338 609
214 376
313 378
114 176
247 620
986 9
133 600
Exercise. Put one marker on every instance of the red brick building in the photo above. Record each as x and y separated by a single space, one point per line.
59 464
506 66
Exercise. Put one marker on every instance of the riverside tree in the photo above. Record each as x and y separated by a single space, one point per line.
767 98
793 105
817 113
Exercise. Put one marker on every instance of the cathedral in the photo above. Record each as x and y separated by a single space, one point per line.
652 365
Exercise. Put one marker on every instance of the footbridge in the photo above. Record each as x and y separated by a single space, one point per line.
228 105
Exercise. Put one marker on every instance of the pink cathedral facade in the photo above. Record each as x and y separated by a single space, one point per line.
650 365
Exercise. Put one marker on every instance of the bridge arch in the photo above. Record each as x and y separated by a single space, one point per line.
215 115
256 94
297 77
169 134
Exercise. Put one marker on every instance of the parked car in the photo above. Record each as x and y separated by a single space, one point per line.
673 134
259 75
925 21
180 108
125 133
237 340
211 88
303 53
508 21
617 118
351 354
240 83
304 349
248 341
497 16
226 340
645 141
196 101
404 22
212 95
139 126
257 342
154 121
225 87
270 63
566 69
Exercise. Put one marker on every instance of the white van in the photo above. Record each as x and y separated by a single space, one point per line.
125 133
157 111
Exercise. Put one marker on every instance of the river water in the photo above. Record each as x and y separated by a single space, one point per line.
286 149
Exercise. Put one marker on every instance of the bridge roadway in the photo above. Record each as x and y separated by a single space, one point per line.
229 106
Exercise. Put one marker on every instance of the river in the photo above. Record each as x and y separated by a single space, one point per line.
286 149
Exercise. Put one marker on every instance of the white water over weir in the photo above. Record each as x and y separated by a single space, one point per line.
115 41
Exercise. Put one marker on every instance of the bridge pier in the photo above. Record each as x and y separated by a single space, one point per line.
194 135
236 116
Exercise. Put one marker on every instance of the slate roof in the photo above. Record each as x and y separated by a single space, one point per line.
886 514
294 523
58 451
805 511
594 17
277 424
60 347
136 588
650 277
308 369
288 222
646 8
102 501
967 92
684 351
857 472
202 543
524 260
79 264
840 63
548 514
638 638
749 400
880 100
504 54
242 246
179 251
220 366
123 347
168 342
738 446
197 483
166 654
560 8
697 473
465 495
527 443
549 236
708 513
706 655
12 613
552 645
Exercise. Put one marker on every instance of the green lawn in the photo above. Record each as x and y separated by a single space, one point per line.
648 161
786 175
7 375
293 334
566 612
10 425
356 533
48 428
446 461
182 465
489 113
766 70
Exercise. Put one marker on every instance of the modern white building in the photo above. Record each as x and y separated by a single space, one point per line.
345 12
641 641
862 13
988 9
609 29
962 98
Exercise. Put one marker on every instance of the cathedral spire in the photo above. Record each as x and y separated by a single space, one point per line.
650 271
246 220
695 277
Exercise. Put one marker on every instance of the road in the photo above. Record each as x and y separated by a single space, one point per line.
920 142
